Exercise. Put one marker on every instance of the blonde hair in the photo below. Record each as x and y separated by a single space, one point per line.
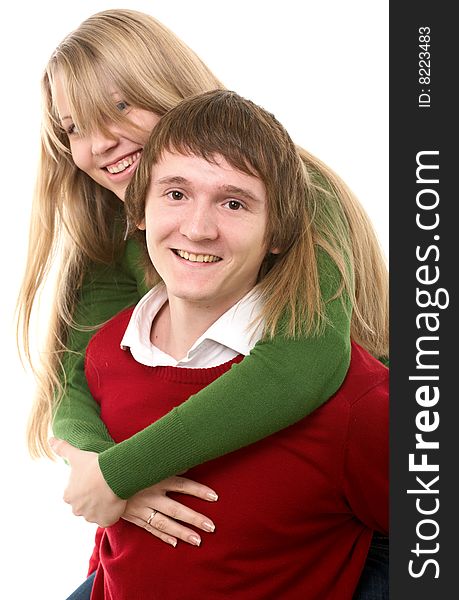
76 219
309 212
72 215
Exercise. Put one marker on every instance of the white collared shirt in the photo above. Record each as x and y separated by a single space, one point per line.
229 336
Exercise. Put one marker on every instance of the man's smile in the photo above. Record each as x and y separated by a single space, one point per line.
190 256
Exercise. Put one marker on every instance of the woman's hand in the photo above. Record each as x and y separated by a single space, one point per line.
87 491
154 511
92 498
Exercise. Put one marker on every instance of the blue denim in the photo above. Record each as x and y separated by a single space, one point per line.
84 591
374 581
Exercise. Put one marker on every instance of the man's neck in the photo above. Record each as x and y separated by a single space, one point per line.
179 324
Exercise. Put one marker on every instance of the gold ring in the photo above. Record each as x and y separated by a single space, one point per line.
151 517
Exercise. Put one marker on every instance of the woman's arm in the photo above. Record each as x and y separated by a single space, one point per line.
281 382
278 384
106 290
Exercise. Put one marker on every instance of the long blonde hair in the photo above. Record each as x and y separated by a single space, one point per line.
310 212
72 215
76 219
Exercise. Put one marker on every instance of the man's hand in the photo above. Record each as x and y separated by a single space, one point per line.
87 491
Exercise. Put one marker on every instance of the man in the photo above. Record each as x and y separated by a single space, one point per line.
224 225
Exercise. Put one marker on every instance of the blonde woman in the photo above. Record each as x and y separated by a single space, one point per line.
91 146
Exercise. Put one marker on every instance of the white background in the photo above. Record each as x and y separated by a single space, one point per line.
320 67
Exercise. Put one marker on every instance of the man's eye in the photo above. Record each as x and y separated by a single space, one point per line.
234 204
175 195
122 105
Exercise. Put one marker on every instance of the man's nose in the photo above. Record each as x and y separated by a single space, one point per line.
199 224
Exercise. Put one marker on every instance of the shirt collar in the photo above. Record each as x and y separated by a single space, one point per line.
234 331
235 328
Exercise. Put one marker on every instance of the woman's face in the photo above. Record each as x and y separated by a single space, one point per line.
109 158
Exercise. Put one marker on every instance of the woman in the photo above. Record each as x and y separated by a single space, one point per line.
77 205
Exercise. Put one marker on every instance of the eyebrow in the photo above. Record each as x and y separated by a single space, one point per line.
71 118
172 179
237 191
228 189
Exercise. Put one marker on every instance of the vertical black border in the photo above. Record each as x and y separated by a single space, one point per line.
414 128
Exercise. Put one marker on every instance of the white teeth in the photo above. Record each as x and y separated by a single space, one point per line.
197 257
123 164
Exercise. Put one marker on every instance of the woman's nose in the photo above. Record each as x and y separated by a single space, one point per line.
101 142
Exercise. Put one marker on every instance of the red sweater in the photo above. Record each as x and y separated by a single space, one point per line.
296 511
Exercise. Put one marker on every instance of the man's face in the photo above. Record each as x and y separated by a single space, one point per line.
205 226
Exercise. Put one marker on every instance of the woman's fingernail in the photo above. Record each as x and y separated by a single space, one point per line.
208 526
212 496
195 540
172 542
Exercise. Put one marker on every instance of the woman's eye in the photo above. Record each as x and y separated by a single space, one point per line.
234 204
175 195
72 129
122 105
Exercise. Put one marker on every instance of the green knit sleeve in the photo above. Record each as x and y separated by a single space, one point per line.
279 383
105 291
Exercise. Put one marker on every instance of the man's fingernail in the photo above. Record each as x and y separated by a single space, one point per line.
172 542
212 496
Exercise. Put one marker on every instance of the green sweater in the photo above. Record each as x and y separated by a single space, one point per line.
281 382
